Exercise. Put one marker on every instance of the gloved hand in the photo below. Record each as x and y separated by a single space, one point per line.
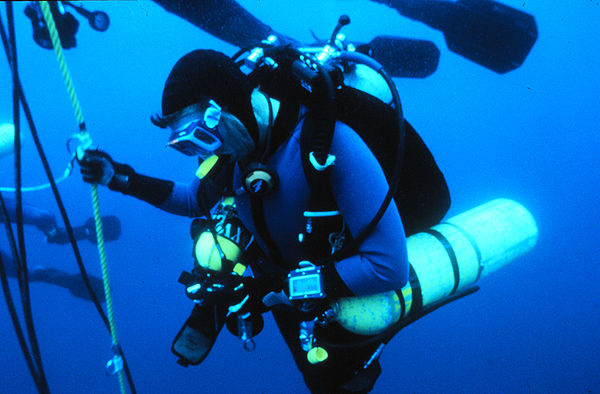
249 298
211 287
97 167
240 294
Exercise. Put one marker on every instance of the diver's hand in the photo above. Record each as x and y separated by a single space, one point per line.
97 167
211 287
250 296
239 293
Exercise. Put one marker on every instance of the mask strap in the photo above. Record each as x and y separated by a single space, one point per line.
212 115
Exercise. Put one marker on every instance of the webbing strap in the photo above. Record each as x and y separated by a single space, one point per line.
451 255
84 135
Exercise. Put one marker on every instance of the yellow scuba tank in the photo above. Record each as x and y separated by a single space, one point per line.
232 239
445 259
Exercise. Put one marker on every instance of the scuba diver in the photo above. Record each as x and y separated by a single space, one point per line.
66 24
491 34
46 222
317 238
72 282
230 22
224 19
349 245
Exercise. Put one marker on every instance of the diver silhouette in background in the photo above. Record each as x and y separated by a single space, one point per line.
489 33
46 223
486 32
72 282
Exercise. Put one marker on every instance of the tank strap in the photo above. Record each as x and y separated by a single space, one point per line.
451 255
473 244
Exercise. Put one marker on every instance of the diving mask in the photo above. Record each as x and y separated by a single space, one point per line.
199 137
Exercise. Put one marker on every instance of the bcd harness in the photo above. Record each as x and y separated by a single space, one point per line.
295 78
325 239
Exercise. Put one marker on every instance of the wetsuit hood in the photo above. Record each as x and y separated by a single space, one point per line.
203 74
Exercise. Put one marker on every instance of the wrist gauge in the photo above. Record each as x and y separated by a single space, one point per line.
305 282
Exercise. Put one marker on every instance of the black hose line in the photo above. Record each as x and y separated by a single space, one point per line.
41 380
9 301
68 227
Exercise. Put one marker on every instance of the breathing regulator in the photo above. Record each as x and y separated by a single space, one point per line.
221 249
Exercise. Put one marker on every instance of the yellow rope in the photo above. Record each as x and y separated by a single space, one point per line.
95 201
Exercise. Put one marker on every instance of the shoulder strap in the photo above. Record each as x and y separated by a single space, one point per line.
324 229
281 131
285 124
321 196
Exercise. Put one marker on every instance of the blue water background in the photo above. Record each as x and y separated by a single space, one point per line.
531 135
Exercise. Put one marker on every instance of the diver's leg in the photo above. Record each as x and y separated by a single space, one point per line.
343 370
225 19
40 218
